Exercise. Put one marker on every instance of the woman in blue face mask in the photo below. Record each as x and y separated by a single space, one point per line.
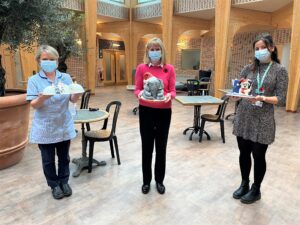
52 126
154 116
254 123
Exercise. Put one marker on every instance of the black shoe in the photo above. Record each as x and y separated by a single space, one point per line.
242 190
66 189
160 188
145 188
57 193
252 196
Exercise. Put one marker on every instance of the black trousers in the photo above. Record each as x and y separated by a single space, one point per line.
48 160
258 152
154 128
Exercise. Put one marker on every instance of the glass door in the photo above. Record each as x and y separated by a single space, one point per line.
114 67
109 67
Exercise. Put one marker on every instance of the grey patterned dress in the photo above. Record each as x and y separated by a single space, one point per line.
257 123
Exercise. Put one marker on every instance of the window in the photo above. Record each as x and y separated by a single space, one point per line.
190 59
119 1
144 1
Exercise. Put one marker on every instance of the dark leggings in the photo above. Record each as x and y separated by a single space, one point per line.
259 152
154 129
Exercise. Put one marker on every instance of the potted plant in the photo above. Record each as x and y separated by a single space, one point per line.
25 23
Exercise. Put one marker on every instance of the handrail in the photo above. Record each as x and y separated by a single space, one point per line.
148 11
182 6
77 5
112 10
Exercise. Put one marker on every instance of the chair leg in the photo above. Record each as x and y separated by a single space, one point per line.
117 149
111 148
222 130
91 153
201 130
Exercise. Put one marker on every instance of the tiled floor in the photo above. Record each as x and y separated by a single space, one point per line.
199 181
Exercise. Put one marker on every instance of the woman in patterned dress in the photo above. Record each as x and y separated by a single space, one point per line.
254 124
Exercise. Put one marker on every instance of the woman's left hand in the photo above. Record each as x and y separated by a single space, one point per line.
167 97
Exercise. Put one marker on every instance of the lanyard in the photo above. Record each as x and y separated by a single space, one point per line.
261 81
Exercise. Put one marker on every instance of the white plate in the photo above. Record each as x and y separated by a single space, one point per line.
153 100
233 94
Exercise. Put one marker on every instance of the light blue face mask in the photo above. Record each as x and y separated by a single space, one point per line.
154 56
263 55
48 66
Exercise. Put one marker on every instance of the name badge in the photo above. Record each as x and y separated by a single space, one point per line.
259 103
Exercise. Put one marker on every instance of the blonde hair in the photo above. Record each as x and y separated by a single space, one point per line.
151 42
48 49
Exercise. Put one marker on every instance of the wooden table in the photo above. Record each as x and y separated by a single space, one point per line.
197 102
84 116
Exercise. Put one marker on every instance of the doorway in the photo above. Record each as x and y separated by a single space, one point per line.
114 72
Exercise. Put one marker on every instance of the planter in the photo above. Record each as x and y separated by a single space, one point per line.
14 120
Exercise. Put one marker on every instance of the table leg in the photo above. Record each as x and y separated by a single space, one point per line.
83 162
196 126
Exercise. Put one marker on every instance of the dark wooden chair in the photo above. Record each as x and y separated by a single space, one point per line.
217 118
85 99
105 134
204 88
192 87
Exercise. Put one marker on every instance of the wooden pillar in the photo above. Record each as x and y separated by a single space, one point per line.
222 18
128 50
167 16
91 28
294 66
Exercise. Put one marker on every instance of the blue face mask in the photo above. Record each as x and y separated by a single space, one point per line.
263 55
154 56
48 65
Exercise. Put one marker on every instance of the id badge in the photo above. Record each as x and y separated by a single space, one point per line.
259 103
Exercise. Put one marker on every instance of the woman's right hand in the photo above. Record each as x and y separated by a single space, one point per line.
234 98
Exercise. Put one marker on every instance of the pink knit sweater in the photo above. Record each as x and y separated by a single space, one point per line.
165 73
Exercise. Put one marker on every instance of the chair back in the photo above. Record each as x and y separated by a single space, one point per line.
204 88
85 98
192 86
117 106
222 108
204 73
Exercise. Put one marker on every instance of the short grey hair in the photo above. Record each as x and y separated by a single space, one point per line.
48 49
155 41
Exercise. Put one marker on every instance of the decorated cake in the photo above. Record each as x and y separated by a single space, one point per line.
153 88
242 86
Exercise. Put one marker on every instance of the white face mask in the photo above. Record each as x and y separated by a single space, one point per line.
263 55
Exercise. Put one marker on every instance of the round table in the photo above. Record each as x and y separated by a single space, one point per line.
85 116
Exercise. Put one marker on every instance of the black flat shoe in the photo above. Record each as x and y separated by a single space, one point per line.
252 196
67 190
145 188
57 193
242 190
160 188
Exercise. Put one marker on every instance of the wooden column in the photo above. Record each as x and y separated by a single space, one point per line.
222 18
167 29
294 66
91 28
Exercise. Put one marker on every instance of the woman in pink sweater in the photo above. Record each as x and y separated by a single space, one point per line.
155 116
